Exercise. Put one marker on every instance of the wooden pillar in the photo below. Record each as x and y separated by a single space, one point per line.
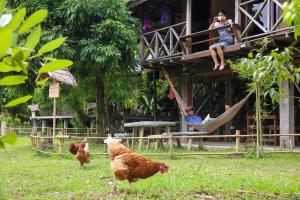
188 21
65 123
228 102
237 12
141 139
170 142
54 119
187 95
3 128
44 125
237 141
34 127
287 115
154 96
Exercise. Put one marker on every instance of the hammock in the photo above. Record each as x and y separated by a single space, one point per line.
213 124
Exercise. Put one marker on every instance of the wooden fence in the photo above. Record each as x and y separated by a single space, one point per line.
48 131
38 140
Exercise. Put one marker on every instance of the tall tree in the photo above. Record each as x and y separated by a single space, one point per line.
102 42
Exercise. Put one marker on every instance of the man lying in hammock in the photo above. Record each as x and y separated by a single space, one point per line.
190 117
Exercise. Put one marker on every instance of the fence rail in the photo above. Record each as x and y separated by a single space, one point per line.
37 141
250 13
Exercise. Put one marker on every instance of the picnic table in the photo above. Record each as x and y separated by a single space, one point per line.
139 127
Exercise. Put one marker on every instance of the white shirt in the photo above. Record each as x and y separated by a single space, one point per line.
218 24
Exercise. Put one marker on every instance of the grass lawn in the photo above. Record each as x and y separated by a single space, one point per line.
26 175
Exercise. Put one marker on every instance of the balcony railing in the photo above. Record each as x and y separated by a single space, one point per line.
260 18
162 43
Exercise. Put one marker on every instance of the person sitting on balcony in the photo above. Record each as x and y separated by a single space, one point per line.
225 39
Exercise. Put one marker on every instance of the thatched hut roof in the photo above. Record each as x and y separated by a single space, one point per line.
33 107
62 76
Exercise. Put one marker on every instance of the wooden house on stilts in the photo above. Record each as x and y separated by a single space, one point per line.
175 36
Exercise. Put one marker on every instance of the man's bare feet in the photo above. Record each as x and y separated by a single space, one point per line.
222 67
216 67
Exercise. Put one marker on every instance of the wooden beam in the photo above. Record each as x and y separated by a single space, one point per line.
237 12
211 73
188 21
188 17
206 53
287 116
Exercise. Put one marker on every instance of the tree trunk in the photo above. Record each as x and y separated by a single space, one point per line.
101 121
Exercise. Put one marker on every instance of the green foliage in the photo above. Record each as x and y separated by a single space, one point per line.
13 80
17 19
251 151
34 19
6 37
55 65
18 101
267 70
10 138
17 54
52 45
291 15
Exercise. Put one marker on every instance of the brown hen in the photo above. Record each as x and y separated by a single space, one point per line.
130 166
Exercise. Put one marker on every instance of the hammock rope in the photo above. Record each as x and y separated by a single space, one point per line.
213 124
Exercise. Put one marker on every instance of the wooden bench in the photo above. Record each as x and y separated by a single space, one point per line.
123 135
158 141
187 42
206 53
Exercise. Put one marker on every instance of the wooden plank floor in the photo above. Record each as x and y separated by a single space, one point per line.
206 53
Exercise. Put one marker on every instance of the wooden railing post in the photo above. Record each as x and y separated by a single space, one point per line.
61 146
38 142
171 42
237 141
156 48
141 139
170 142
142 49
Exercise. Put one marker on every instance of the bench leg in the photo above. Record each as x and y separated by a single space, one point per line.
190 142
148 143
178 143
161 144
200 145
156 143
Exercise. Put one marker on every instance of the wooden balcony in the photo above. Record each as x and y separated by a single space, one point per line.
162 43
188 42
171 46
